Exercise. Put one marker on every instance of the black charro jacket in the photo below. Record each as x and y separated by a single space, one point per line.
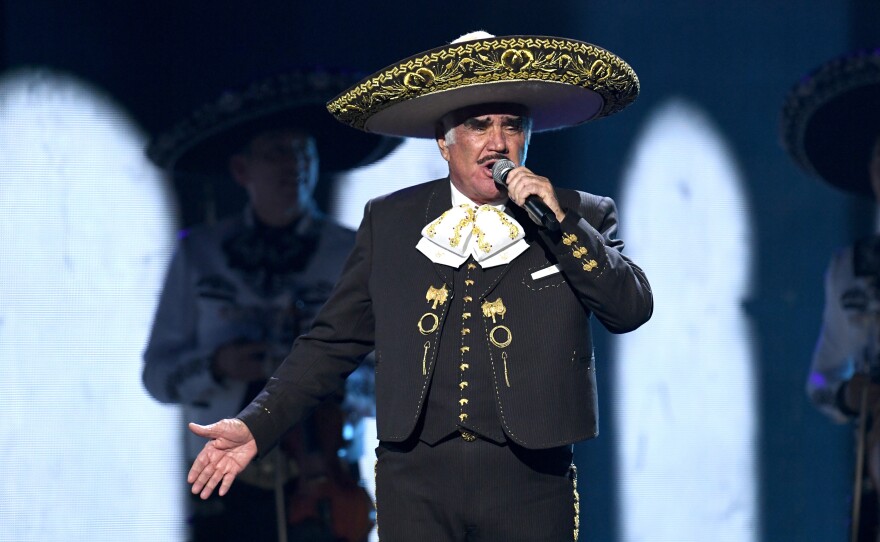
545 385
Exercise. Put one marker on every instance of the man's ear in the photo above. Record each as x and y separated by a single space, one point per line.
238 169
444 148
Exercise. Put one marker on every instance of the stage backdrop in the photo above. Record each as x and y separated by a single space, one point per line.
706 432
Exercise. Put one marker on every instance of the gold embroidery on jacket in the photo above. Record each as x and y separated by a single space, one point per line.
437 295
425 358
493 309
434 326
504 343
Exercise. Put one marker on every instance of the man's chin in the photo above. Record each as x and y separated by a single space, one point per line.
491 197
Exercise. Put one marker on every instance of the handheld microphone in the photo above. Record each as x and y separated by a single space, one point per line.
537 209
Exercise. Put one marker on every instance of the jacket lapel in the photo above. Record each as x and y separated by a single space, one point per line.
439 201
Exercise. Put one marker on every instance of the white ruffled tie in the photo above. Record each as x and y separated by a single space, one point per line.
485 232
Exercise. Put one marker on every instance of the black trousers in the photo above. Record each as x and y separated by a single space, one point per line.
477 491
246 514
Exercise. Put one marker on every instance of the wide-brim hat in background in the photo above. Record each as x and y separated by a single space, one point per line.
563 82
202 143
831 120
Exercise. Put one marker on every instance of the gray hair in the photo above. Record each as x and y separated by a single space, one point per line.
447 123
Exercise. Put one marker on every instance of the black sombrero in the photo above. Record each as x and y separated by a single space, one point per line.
202 142
562 82
831 120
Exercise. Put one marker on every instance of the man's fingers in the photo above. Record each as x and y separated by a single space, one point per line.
206 482
195 470
221 475
227 483
526 183
215 479
206 475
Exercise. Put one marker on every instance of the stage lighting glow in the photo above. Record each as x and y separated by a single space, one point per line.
414 161
86 229
684 384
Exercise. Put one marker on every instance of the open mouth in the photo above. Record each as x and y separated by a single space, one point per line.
490 163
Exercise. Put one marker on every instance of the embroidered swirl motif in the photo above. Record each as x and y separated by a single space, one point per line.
514 58
432 228
469 219
517 59
482 244
420 79
511 227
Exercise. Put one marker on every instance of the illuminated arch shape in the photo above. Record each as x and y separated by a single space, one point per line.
685 385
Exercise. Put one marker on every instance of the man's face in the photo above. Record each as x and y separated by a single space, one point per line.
279 169
477 137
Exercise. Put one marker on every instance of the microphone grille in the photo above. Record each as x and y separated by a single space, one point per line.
500 171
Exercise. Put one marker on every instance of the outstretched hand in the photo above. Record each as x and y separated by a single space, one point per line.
231 448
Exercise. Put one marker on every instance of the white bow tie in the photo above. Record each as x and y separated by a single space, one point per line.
485 232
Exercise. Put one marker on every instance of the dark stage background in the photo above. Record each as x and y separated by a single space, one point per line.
735 59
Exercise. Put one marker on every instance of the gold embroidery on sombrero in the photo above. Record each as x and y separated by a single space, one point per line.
487 61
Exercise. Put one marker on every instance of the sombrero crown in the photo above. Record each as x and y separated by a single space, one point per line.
562 82
831 120
202 142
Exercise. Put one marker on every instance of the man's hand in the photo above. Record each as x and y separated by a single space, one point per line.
522 183
231 448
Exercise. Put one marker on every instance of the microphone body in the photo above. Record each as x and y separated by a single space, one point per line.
535 206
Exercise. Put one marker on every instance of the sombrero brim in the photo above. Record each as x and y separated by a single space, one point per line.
831 121
202 143
562 82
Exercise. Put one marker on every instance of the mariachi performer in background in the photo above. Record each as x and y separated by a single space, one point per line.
239 290
831 128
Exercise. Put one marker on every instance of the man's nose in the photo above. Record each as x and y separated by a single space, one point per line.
498 140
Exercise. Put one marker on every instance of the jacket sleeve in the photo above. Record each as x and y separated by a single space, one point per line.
839 345
176 368
608 283
320 361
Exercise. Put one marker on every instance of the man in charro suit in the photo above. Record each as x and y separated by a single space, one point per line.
480 317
